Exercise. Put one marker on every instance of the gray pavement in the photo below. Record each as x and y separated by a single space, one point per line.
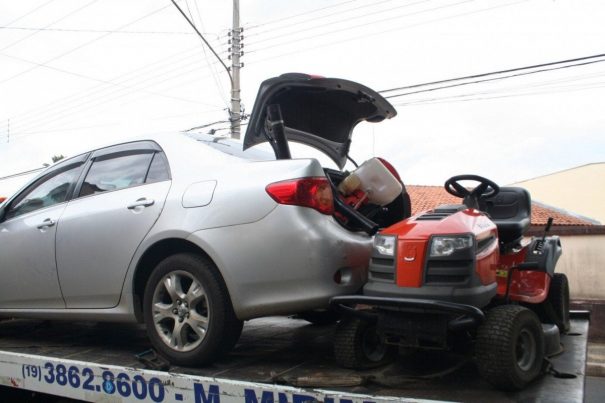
595 360
594 391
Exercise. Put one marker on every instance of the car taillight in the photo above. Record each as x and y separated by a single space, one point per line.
390 168
307 192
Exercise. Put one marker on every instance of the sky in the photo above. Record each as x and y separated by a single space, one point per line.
75 74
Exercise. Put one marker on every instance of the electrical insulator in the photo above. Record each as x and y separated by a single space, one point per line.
241 37
229 33
242 64
229 57
241 53
241 45
229 50
229 42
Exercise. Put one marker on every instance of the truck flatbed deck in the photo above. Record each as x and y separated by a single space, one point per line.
276 360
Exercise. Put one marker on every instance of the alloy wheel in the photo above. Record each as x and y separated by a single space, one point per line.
180 311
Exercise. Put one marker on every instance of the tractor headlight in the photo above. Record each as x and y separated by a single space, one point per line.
447 245
385 244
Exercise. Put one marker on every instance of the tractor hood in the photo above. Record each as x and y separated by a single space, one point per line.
319 112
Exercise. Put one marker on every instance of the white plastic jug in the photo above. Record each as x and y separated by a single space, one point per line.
373 178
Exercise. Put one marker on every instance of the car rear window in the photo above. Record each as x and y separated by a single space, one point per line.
234 148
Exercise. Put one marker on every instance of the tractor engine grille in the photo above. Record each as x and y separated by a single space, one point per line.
382 269
448 271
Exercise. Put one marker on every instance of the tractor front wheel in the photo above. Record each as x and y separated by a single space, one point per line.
509 349
358 345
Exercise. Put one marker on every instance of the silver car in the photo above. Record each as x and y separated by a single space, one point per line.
192 237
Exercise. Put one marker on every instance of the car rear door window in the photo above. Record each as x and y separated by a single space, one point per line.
50 190
116 172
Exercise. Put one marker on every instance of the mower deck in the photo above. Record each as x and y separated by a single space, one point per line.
279 351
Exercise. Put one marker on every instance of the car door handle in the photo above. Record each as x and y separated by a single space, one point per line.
142 202
46 224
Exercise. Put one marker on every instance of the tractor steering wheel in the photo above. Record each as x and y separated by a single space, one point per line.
484 190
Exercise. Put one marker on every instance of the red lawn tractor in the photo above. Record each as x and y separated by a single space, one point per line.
461 277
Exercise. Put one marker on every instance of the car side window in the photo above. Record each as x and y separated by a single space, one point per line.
116 172
51 190
158 171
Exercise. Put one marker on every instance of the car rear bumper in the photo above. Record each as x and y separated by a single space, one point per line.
287 262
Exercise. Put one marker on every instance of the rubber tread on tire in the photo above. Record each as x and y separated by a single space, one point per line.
224 328
349 351
497 345
558 302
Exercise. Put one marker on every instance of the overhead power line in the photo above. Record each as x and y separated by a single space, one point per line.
95 31
215 73
66 107
104 125
488 95
204 39
97 79
380 32
289 17
542 70
68 113
87 43
205 125
77 10
338 13
492 73
354 26
142 86
173 62
32 11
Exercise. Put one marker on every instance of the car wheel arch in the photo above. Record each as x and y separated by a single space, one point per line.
150 259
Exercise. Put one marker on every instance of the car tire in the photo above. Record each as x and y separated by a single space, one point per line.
320 317
509 349
188 312
358 345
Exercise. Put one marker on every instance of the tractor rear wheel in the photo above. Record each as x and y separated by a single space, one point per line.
358 345
509 349
555 308
557 303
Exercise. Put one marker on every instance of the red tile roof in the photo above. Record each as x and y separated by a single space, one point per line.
429 197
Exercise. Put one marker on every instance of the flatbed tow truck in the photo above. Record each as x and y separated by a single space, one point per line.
277 360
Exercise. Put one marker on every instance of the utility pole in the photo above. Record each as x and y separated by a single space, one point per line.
236 52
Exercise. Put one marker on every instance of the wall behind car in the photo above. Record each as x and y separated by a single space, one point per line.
582 262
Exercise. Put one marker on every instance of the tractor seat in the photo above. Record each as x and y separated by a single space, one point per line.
510 210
